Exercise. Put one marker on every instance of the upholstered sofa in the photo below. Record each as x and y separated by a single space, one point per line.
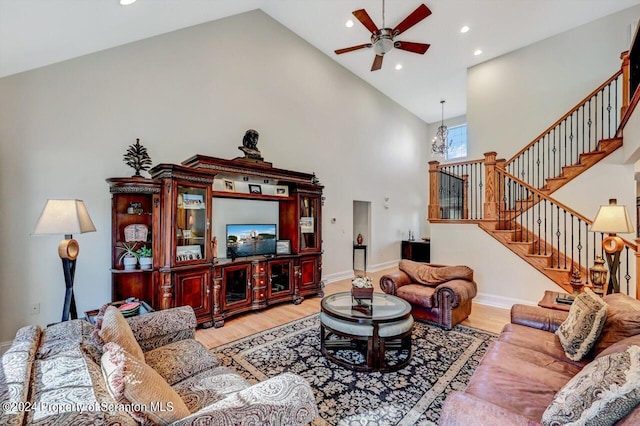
438 294
527 378
61 376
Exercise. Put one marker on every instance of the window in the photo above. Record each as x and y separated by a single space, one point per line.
457 142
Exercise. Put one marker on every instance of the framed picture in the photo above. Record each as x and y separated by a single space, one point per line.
255 189
186 253
306 225
192 201
282 190
229 185
283 247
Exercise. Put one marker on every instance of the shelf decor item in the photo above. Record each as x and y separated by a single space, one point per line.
129 255
137 158
66 217
136 232
283 247
145 256
362 288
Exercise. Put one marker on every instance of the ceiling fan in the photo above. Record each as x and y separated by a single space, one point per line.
384 40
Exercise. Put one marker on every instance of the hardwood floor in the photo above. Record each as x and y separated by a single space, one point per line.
484 317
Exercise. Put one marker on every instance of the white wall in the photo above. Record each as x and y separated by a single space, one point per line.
65 127
510 101
502 277
514 98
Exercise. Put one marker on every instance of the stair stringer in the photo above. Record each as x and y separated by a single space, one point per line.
527 251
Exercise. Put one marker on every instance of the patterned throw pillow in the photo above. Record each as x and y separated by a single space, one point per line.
138 386
580 331
115 328
604 392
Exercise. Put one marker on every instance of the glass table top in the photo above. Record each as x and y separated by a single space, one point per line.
384 307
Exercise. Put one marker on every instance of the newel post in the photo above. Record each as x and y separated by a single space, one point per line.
434 198
626 83
490 200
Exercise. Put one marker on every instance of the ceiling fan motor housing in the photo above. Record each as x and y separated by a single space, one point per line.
382 41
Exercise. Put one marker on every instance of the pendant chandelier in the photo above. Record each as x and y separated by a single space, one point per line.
439 145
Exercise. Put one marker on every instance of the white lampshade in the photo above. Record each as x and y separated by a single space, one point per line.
612 219
64 217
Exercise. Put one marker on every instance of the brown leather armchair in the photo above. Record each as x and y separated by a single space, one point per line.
439 294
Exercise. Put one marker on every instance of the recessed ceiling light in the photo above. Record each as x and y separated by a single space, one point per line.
398 66
464 29
349 23
126 2
477 52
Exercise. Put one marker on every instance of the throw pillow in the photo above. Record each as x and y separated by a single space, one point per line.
602 393
623 320
98 325
424 273
141 388
580 331
115 328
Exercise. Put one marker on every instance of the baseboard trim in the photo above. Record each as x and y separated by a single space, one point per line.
4 346
344 275
499 301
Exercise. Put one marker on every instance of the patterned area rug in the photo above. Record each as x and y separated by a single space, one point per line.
442 362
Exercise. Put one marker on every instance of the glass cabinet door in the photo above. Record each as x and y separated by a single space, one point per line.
309 236
191 224
235 285
280 277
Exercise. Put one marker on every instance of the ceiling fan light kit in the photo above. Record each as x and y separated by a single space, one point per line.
383 39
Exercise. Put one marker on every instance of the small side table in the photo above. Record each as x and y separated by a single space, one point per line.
549 301
360 247
144 309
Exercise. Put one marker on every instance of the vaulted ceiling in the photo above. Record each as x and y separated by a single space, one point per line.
34 33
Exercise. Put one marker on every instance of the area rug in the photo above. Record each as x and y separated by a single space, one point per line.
443 361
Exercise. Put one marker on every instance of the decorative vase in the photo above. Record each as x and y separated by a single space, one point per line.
598 273
359 239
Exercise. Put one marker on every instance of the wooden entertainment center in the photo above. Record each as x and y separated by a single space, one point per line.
176 207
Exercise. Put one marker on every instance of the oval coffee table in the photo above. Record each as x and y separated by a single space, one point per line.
387 325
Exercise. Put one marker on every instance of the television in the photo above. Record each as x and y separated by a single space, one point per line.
245 240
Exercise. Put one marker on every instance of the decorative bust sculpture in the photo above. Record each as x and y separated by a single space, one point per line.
250 145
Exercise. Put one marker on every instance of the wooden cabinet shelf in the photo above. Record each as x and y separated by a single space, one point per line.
140 194
249 196
177 205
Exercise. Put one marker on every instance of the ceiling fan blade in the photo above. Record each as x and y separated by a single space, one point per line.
365 19
377 63
352 48
412 47
416 16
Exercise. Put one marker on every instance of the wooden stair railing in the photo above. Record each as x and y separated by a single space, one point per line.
554 157
547 234
463 191
511 199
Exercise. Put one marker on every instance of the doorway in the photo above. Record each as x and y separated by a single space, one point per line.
361 226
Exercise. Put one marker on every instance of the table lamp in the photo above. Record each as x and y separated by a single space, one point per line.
612 219
66 217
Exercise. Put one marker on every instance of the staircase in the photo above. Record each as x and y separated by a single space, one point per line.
515 200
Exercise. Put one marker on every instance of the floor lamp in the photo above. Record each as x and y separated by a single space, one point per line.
66 217
612 219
